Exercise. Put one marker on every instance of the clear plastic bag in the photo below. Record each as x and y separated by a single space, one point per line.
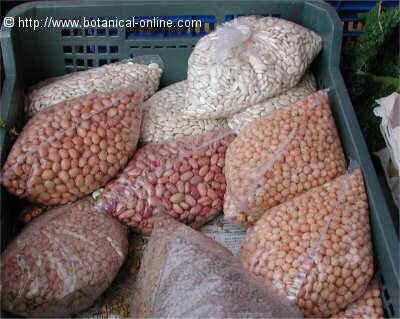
306 87
62 261
144 71
163 119
69 150
389 111
246 61
185 274
184 176
315 248
368 306
280 156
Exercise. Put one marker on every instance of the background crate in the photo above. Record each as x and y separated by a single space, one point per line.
349 10
30 56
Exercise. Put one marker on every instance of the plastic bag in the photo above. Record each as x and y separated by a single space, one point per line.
185 274
306 87
369 306
163 119
62 261
184 176
246 61
144 71
389 111
315 248
67 151
229 235
280 156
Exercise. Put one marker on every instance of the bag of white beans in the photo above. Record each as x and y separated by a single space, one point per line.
280 156
67 151
185 274
306 87
246 61
315 248
163 119
368 306
144 71
184 176
62 261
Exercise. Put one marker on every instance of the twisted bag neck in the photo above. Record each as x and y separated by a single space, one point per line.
230 37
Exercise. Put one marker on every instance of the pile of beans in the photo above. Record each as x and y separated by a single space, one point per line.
246 61
369 306
185 274
106 78
280 156
67 151
306 87
163 119
184 176
62 261
316 248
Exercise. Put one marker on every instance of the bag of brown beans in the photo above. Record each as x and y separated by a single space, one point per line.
67 151
184 176
185 274
62 261
284 154
315 248
369 306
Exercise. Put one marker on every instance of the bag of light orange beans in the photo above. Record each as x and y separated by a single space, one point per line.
315 248
280 156
369 306
75 147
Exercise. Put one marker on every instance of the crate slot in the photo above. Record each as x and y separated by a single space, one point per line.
102 49
69 62
101 32
171 46
113 49
67 49
146 47
91 49
79 49
183 46
90 62
391 310
89 32
114 60
80 62
113 32
65 32
77 32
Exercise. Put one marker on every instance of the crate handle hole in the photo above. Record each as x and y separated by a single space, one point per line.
69 62
80 62
90 62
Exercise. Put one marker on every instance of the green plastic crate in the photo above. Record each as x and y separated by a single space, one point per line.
32 56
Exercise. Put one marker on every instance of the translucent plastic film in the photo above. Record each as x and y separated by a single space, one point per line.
62 261
67 151
185 274
184 176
